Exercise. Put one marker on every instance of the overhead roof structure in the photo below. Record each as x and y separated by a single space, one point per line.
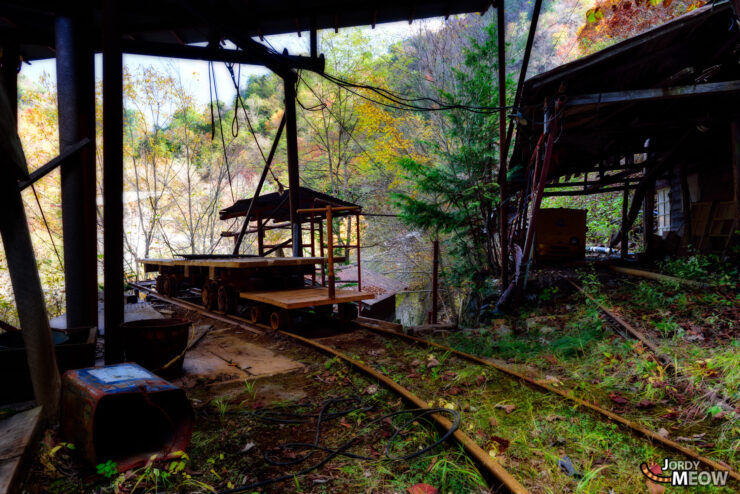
274 205
73 31
678 77
178 22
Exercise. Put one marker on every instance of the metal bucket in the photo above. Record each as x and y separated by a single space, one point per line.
155 343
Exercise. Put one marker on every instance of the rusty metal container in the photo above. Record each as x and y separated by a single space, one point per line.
74 347
153 343
560 234
124 413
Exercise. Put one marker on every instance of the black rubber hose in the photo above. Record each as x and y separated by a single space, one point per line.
325 414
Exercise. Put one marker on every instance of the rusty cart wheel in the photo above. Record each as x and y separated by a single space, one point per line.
227 299
324 310
280 320
209 295
256 313
169 285
159 284
347 312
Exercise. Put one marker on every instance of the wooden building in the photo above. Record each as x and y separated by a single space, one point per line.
656 117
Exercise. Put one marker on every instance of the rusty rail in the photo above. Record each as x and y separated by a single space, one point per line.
481 457
594 408
637 334
657 276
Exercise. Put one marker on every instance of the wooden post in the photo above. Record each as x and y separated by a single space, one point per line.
625 232
686 206
76 104
24 276
359 269
648 208
321 251
112 182
330 248
435 280
260 236
313 248
502 181
735 135
291 136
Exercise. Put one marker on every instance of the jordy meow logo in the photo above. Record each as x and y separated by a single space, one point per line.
683 473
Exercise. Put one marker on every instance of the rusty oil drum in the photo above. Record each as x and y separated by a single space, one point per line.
153 343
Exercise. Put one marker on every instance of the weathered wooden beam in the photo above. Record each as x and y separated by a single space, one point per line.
53 164
735 138
573 193
208 53
24 275
594 185
261 182
654 93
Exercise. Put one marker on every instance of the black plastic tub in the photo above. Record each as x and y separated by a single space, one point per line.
75 349
154 343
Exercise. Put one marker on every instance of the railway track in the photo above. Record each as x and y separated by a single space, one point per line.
493 468
332 346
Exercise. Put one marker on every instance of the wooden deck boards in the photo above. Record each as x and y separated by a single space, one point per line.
17 433
305 297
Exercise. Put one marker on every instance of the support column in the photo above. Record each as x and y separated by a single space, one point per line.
685 206
502 170
112 181
76 108
735 136
625 228
291 135
24 276
435 280
648 221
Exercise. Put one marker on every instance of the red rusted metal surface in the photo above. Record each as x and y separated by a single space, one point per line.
154 343
125 414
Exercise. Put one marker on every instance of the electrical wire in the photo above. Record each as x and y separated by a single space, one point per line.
325 414
48 229
400 102
397 101
235 121
212 74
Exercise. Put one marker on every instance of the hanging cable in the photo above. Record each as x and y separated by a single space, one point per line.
46 224
235 121
212 73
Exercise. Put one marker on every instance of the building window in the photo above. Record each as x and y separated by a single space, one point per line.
664 210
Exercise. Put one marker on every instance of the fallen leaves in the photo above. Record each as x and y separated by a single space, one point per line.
422 489
480 380
644 404
618 399
454 391
507 408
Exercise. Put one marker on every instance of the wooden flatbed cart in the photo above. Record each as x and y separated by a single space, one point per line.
273 289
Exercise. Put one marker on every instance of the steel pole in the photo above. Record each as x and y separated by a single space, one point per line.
291 135
113 182
76 110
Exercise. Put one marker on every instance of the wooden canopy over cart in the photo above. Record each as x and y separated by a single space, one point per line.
271 287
